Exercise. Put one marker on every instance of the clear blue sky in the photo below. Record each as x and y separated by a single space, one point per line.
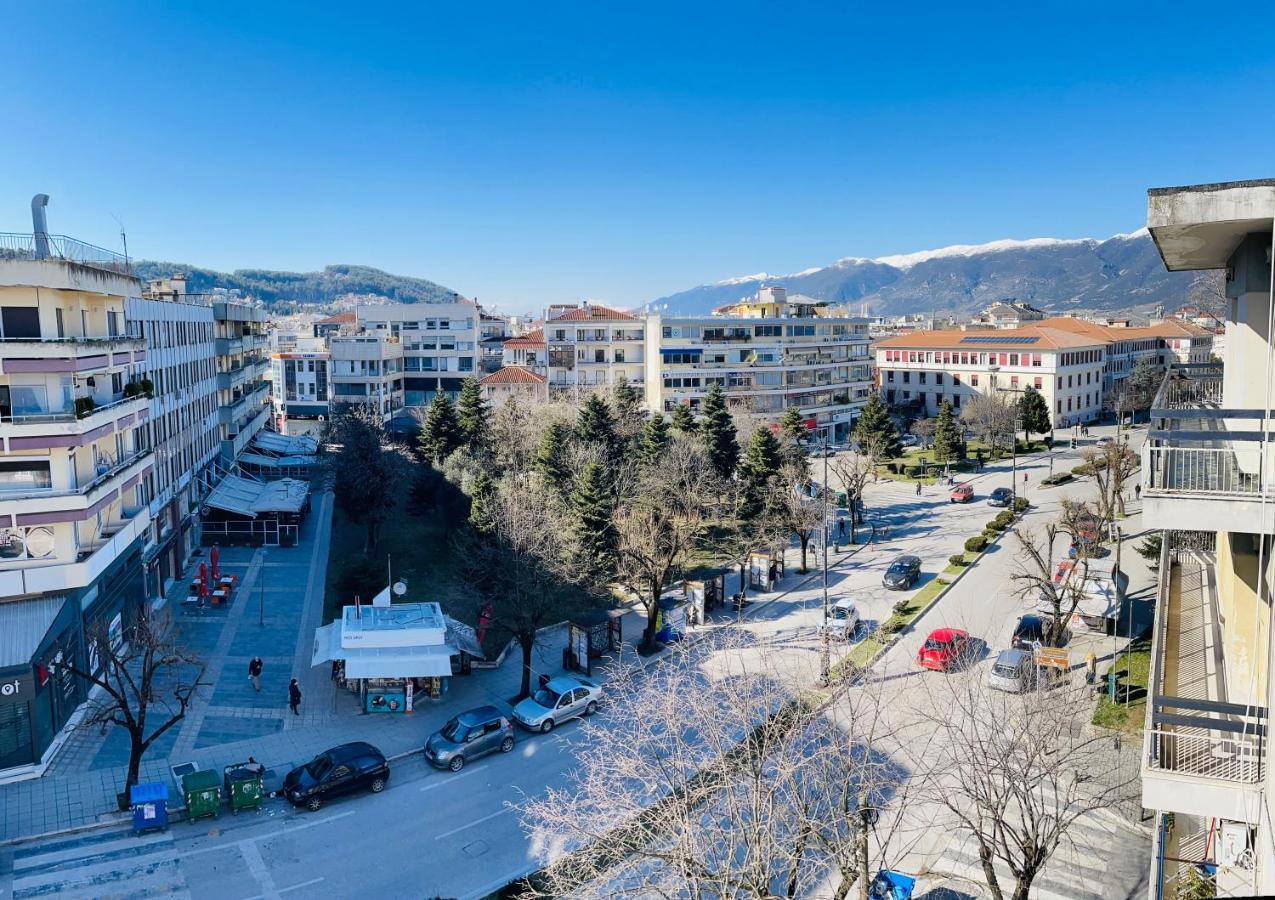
535 153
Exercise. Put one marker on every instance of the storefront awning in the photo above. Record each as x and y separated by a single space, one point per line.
23 626
286 444
463 637
327 644
245 497
398 662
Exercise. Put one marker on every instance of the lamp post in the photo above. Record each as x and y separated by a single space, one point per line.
825 649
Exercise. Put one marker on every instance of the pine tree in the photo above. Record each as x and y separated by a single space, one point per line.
472 415
760 465
683 419
594 424
480 504
441 434
653 441
1034 411
593 526
626 402
949 443
549 456
876 428
795 438
718 432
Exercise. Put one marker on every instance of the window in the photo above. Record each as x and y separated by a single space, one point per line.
26 543
938 377
1036 382
1013 381
889 375
20 322
956 379
599 356
619 356
907 378
20 476
922 378
974 380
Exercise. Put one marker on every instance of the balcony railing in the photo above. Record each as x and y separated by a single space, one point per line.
1236 758
59 246
1239 471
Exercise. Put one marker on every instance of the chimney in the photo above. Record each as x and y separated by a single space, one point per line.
39 226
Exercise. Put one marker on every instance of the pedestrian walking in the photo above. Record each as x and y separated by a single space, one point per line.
1024 478
1091 668
841 528
294 697
1137 492
254 673
918 488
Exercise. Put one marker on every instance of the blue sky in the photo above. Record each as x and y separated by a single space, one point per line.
537 153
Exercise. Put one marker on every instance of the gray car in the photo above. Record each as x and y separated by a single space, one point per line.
470 735
1013 671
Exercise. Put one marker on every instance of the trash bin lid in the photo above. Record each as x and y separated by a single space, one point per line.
201 780
242 774
148 792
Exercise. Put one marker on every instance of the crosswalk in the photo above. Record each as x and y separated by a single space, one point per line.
110 867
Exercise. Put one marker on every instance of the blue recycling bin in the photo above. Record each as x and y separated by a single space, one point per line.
150 806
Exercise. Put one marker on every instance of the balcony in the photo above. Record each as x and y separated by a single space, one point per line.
240 343
31 427
243 406
1202 752
47 500
248 369
69 355
60 247
1203 466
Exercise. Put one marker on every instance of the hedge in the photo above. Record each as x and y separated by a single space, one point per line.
1004 518
976 544
913 471
957 560
1060 478
932 471
1020 504
995 525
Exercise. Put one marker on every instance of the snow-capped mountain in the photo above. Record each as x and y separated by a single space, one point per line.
1123 272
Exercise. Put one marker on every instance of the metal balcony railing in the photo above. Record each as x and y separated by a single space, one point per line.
15 246
1235 758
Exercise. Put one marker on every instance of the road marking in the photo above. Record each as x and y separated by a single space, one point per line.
290 888
88 851
443 782
257 867
287 830
447 834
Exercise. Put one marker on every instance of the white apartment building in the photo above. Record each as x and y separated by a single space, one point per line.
768 354
74 462
1207 479
440 344
367 369
299 382
243 397
588 346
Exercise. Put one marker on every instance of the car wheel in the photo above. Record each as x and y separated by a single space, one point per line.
591 708
546 726
314 803
378 784
457 763
506 745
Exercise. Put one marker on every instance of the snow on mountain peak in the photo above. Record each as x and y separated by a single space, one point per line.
908 260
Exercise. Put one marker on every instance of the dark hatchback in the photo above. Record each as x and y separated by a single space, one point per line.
903 573
1028 631
1002 496
349 767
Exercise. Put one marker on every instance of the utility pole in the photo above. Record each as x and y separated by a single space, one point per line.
261 594
825 650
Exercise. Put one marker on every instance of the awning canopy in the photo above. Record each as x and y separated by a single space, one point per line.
286 444
23 626
463 637
398 662
244 497
327 644
275 462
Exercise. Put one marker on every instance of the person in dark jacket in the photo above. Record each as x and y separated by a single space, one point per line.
294 697
254 672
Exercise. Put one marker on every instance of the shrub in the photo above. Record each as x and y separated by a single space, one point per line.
998 453
996 525
1084 469
1020 504
913 471
932 471
84 406
1004 518
957 560
1060 478
976 544
900 608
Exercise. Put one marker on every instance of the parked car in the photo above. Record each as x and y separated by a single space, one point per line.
342 769
944 649
561 698
1013 671
1001 496
472 734
909 440
1104 441
903 573
1029 630
843 619
818 451
962 493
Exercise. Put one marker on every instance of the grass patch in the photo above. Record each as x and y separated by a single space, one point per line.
1133 670
861 654
956 570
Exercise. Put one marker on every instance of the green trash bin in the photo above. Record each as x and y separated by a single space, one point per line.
202 791
245 785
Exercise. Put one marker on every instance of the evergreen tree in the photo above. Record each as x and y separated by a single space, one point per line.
441 434
1033 409
876 428
653 440
683 419
718 432
760 465
549 456
795 437
480 504
472 415
626 403
593 526
949 442
595 425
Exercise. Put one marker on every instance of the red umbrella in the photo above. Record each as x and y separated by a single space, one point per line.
214 554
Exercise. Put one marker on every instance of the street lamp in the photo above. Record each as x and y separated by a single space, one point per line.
825 648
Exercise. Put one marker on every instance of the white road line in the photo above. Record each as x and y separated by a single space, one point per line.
257 868
290 888
443 782
265 837
447 834
87 851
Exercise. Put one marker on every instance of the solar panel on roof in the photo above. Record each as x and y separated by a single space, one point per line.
987 339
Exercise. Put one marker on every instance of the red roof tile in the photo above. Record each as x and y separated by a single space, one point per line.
513 375
592 312
530 339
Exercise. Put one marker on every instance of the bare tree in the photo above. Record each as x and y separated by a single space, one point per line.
797 514
147 681
750 791
853 470
1112 465
1016 772
992 417
659 527
924 429
514 435
1034 575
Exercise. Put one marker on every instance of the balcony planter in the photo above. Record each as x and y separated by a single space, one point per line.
84 407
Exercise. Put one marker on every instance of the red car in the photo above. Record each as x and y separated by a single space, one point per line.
943 649
962 493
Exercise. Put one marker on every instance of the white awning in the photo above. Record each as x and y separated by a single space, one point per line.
327 644
463 637
249 458
245 497
286 444
398 662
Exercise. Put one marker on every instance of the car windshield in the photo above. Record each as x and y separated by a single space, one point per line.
453 731
318 767
935 644
1004 670
547 698
841 612
897 568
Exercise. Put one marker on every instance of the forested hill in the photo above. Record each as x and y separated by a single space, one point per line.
331 284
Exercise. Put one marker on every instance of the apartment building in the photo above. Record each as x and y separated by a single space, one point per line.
243 399
1009 314
1207 479
180 365
299 384
367 369
492 334
440 344
74 461
768 353
589 346
923 369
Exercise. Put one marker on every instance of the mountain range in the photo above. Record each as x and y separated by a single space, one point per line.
1122 273
333 283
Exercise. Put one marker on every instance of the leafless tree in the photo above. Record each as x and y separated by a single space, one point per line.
796 513
1036 566
853 470
732 536
515 433
1112 465
147 680
660 525
992 417
714 777
1015 772
924 429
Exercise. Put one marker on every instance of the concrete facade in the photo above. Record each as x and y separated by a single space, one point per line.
440 344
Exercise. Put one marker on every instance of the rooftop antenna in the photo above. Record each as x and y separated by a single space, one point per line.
39 226
124 238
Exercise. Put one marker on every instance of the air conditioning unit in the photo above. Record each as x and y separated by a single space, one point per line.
1234 845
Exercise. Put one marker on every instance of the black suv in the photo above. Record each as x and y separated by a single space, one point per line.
1000 497
340 770
903 573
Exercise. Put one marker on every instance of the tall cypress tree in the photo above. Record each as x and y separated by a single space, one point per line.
875 426
761 463
718 432
1034 411
683 418
549 456
626 402
653 441
441 434
593 525
795 438
949 442
472 415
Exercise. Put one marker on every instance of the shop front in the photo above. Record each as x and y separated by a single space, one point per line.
37 698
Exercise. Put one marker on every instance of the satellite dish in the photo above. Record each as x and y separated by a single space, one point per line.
400 588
